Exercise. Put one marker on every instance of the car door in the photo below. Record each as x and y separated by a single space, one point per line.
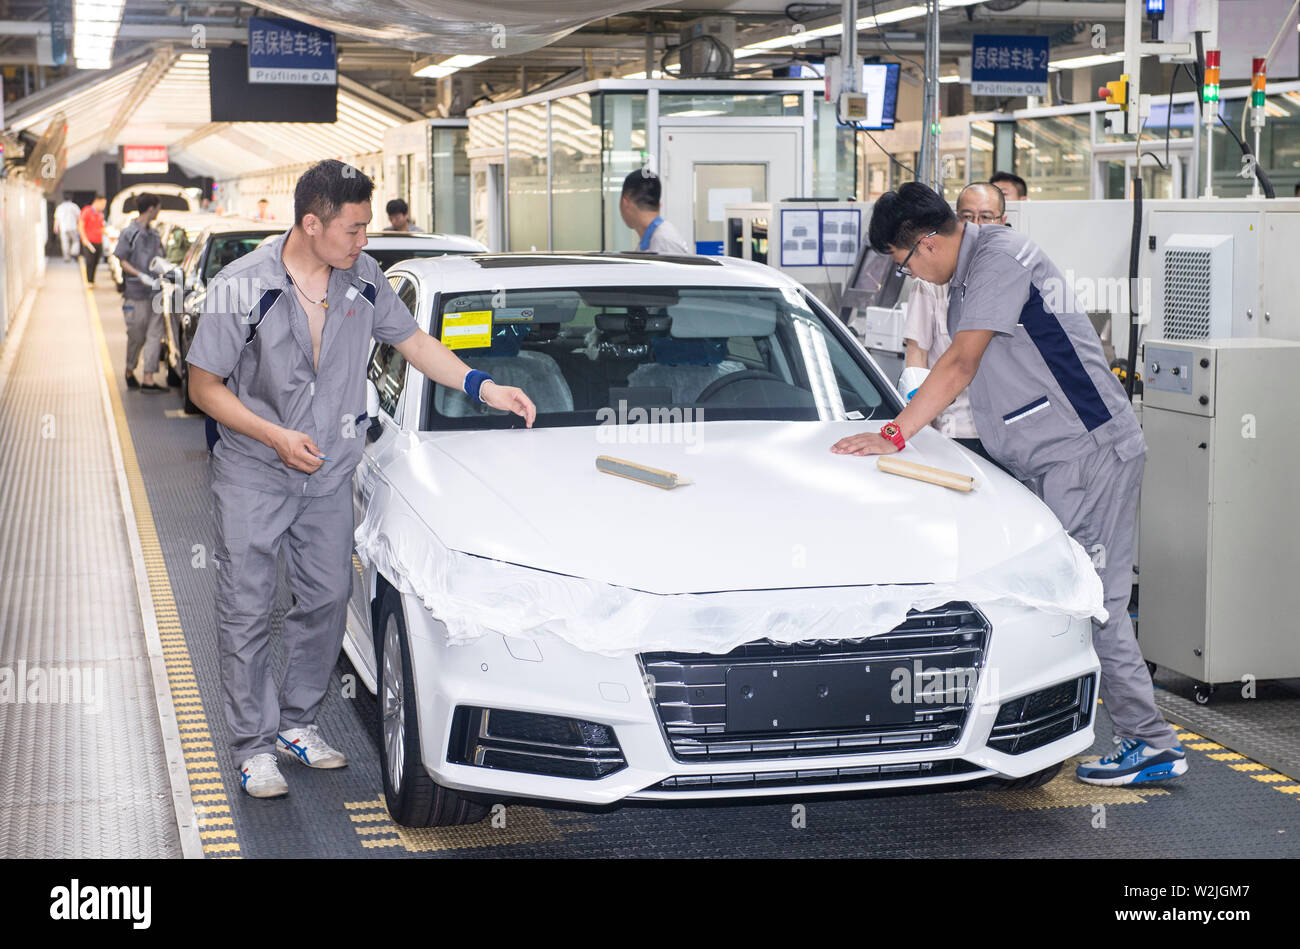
387 369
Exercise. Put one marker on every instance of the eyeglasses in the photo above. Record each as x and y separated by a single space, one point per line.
902 268
984 217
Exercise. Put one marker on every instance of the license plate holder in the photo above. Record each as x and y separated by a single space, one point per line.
796 696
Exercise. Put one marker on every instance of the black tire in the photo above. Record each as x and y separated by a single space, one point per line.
1035 780
418 800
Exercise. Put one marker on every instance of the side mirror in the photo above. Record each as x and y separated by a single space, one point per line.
376 428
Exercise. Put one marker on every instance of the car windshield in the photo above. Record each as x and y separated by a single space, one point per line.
228 248
387 257
628 354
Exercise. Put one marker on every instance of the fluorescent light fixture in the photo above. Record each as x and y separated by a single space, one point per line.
447 66
947 79
94 31
1083 62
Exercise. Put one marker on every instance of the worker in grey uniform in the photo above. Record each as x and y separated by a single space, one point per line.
279 362
136 248
1049 409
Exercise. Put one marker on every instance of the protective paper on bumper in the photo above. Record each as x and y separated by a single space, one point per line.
474 596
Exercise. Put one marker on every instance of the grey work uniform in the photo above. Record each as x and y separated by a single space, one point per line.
138 246
1048 407
254 333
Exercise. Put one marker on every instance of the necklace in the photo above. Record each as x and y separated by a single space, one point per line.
321 302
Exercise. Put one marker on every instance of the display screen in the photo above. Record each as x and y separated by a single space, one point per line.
880 83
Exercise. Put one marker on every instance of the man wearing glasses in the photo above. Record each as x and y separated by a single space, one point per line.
926 329
1051 412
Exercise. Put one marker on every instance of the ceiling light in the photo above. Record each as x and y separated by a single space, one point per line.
440 70
1083 62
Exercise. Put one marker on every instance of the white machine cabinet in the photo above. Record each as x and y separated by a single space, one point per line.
1219 538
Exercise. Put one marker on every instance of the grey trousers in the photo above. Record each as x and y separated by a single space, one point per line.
316 535
1096 498
144 329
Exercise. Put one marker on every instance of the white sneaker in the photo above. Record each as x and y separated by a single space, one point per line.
307 745
261 776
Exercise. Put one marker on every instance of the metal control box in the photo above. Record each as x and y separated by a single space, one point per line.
1219 538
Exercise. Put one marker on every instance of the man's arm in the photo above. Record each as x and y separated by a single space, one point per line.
432 358
950 375
209 392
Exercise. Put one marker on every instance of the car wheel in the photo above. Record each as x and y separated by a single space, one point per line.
1035 780
414 799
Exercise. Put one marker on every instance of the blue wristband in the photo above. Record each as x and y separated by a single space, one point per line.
474 380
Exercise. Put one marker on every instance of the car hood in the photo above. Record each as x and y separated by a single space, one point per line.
770 506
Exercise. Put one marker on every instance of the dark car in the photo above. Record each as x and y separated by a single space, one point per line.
222 243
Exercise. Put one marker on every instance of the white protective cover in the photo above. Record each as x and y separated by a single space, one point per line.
476 595
451 27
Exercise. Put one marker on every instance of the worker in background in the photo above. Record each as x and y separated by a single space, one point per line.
263 210
90 228
1047 408
399 217
66 216
1013 187
205 205
926 330
136 248
291 413
639 207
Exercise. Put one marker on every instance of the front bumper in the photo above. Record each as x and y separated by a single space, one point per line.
1026 651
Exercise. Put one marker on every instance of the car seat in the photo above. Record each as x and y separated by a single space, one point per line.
538 374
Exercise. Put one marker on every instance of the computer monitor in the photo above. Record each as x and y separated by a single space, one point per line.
873 282
880 83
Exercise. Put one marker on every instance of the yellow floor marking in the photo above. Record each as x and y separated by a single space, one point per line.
1227 756
522 825
166 616
1248 766
1271 778
1064 790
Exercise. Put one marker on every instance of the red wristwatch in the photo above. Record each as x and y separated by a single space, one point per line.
893 433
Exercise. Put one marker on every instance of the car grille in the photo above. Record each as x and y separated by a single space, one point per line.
1042 717
690 693
909 770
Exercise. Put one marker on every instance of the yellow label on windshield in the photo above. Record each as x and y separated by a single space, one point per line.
469 330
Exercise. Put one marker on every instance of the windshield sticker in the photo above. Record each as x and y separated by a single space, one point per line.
469 330
513 314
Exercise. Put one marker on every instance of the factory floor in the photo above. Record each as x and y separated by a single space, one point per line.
105 559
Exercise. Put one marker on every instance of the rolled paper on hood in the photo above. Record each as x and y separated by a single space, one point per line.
910 469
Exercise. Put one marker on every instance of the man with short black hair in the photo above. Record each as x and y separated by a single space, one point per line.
90 228
399 217
639 207
136 248
1013 187
279 362
1048 409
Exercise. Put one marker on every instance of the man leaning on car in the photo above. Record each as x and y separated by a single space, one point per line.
279 363
1049 410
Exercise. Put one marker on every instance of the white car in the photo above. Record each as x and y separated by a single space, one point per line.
389 247
792 621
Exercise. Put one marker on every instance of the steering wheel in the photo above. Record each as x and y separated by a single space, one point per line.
717 385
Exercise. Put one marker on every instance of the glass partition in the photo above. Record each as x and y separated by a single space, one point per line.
1054 156
527 215
834 159
981 151
623 143
450 180
719 104
575 174
1279 148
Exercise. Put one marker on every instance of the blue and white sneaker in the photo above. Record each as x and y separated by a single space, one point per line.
1134 762
309 747
260 776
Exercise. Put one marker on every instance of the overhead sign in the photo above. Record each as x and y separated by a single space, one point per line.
1009 65
286 52
144 159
